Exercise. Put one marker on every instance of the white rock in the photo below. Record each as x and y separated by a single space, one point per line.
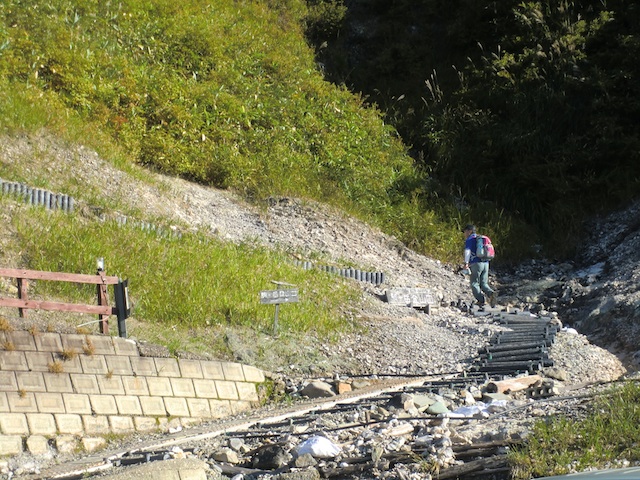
319 447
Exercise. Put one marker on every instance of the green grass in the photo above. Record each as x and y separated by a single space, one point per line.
226 94
193 281
607 436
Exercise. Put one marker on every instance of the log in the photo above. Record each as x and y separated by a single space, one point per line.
513 384
467 470
344 472
463 448
234 470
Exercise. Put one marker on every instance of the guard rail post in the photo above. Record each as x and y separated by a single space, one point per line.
103 299
123 310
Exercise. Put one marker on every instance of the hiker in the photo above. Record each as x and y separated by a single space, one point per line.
479 269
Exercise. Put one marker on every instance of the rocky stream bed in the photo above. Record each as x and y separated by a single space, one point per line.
594 299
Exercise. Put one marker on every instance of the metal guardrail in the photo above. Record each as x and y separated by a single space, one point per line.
37 196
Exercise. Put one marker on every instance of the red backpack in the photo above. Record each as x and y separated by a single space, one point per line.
484 248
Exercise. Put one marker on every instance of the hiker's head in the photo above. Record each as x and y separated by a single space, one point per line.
469 229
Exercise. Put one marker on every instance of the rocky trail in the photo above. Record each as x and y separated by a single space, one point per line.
449 426
596 296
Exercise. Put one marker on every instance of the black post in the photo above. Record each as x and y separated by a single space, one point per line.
122 306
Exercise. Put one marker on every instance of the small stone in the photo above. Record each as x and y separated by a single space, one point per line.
556 373
491 397
405 401
437 408
468 398
236 444
305 460
402 429
317 389
380 413
92 444
360 383
422 402
226 455
270 457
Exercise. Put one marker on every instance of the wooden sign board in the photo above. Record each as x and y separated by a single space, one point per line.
410 297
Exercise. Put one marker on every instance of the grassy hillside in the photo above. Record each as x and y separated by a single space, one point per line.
190 292
223 93
226 94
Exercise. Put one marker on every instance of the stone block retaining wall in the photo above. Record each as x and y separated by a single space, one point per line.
66 391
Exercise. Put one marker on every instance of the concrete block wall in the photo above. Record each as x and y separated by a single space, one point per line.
67 391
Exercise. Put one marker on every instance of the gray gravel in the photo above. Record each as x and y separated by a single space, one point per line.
397 339
392 340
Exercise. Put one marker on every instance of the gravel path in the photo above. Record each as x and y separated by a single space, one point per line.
397 339
393 340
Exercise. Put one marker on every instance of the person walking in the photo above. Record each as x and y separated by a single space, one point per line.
479 270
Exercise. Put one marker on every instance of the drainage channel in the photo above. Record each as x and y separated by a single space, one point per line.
522 348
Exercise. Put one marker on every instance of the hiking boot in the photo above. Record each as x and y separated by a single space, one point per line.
493 299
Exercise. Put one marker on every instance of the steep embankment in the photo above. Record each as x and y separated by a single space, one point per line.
389 340
392 339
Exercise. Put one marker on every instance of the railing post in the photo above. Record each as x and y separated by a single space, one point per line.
102 298
23 283
123 310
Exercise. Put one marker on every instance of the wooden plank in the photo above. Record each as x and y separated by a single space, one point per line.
468 468
61 277
57 306
513 384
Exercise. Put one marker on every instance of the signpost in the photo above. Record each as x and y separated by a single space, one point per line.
410 297
278 296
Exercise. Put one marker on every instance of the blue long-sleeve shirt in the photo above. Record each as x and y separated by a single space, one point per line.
470 249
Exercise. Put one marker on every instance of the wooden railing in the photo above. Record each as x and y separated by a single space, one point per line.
102 309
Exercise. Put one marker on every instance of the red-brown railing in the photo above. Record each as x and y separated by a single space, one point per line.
102 309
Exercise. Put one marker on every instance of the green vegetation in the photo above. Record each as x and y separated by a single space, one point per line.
227 94
533 128
526 108
609 434
192 281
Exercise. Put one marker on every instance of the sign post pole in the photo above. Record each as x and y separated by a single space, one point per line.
275 320
278 296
